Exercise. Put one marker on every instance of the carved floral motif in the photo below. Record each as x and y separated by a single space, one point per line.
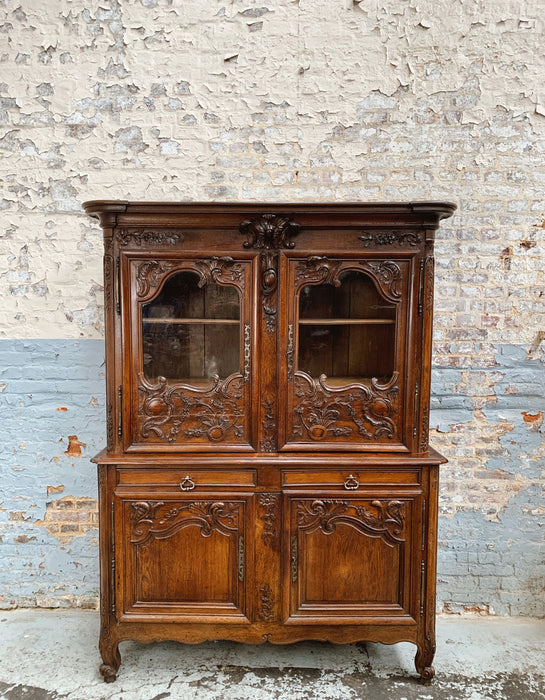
322 411
269 284
270 504
391 238
387 522
269 231
428 296
159 520
109 426
425 434
266 602
213 414
108 263
140 237
268 443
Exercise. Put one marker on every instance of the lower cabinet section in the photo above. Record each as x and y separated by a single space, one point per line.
329 556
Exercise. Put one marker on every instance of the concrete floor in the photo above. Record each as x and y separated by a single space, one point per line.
48 655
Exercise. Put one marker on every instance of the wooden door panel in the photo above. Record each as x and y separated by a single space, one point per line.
203 576
364 569
350 556
183 557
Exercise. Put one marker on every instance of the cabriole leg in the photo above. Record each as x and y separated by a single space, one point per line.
109 650
424 659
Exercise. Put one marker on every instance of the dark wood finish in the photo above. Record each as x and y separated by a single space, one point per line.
267 475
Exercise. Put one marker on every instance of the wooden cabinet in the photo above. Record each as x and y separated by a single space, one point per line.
267 475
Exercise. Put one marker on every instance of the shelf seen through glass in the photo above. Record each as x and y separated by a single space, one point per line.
344 321
191 320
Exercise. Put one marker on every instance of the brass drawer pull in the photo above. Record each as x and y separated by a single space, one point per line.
187 484
351 483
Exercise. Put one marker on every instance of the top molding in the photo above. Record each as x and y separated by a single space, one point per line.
120 212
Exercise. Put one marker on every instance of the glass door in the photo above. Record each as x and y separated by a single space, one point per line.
345 352
190 340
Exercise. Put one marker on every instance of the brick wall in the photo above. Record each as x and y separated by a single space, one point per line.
314 100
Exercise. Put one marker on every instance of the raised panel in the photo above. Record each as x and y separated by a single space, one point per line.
184 557
350 558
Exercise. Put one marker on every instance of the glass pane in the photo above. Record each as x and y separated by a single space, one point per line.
191 333
346 332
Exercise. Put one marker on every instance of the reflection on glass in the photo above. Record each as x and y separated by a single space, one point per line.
191 333
346 332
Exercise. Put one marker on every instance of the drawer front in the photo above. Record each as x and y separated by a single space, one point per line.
187 478
350 479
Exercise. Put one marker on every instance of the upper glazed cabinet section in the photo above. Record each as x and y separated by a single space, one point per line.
247 327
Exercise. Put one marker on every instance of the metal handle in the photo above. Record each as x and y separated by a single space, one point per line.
351 483
187 484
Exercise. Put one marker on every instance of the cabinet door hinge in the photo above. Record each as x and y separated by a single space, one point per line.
415 412
241 558
421 289
294 558
422 585
119 411
112 563
117 286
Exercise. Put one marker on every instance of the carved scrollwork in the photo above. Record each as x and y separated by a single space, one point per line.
269 284
269 231
224 270
270 505
150 273
140 237
387 522
390 238
213 414
324 412
159 520
387 276
319 269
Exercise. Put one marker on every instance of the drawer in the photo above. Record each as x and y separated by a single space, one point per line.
187 479
350 479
